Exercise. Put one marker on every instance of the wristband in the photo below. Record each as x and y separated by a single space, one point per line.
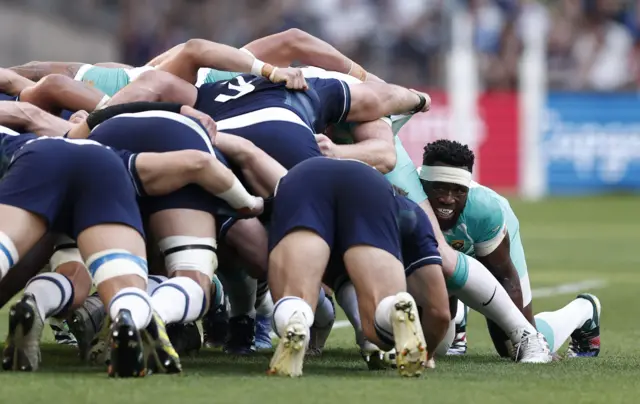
273 73
256 68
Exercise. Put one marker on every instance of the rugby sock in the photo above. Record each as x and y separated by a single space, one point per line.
461 314
479 289
382 320
284 309
241 291
324 311
557 326
217 295
265 308
8 254
53 293
262 289
135 300
237 196
179 300
347 299
153 281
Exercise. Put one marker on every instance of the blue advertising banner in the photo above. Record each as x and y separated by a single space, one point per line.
591 143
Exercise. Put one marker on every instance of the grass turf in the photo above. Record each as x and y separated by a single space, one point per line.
566 240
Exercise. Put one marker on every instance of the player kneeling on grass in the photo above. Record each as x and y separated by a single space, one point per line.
343 209
479 222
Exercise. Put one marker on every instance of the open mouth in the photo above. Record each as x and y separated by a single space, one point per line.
443 213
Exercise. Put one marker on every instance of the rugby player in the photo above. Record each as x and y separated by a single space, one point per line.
479 222
343 210
40 181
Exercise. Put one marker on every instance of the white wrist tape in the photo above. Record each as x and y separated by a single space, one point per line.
256 68
247 51
451 175
273 73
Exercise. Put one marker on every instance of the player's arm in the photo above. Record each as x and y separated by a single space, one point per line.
199 53
56 92
496 256
12 83
373 144
28 117
427 286
165 55
284 48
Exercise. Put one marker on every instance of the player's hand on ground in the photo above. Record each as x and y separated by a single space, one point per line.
427 105
206 121
292 76
327 147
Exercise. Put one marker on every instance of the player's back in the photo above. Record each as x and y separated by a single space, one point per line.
326 101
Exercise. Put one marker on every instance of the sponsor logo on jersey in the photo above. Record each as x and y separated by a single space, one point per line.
457 244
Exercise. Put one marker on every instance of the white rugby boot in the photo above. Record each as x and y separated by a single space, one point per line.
289 355
411 347
532 348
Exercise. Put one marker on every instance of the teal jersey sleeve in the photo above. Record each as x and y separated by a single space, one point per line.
485 220
206 75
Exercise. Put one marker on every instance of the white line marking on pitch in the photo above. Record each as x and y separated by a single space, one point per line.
551 291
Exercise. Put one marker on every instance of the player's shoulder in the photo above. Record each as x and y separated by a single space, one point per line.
482 203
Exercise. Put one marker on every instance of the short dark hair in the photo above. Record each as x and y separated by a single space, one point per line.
448 152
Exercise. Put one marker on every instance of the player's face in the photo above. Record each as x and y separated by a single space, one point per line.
447 200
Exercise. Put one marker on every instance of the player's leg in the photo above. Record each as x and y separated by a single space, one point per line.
300 239
37 70
459 341
56 92
325 317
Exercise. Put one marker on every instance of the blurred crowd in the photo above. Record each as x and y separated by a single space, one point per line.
592 44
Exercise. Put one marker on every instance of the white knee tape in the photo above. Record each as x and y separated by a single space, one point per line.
65 250
186 253
110 264
8 254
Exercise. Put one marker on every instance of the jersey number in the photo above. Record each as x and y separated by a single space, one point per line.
243 88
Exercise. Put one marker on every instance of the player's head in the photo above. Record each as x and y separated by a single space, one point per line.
445 176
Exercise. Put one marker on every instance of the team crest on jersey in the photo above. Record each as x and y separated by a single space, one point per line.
457 244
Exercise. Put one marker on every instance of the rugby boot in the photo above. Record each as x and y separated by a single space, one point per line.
215 325
459 345
375 358
242 336
86 322
126 353
22 347
61 332
411 347
163 358
263 333
532 348
185 338
288 358
585 341
318 335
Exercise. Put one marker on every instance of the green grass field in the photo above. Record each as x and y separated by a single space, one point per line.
566 241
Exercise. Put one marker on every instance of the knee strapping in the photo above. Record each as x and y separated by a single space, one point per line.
186 253
109 264
8 254
65 250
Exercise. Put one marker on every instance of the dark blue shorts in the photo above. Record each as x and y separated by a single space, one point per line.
419 244
144 132
345 202
72 186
